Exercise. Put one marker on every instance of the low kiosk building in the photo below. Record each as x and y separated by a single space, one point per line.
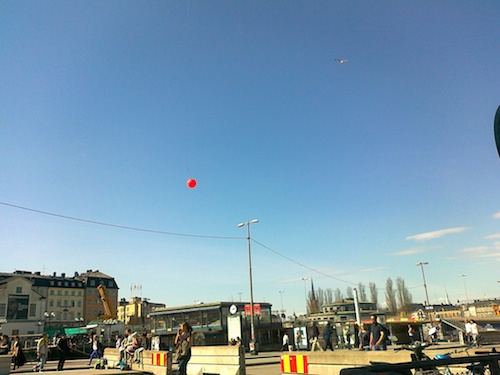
216 323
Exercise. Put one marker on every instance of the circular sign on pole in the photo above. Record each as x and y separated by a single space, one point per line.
496 128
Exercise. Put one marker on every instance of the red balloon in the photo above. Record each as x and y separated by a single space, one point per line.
191 183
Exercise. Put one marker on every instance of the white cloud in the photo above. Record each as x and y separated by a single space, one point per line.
492 236
496 216
436 234
477 249
413 250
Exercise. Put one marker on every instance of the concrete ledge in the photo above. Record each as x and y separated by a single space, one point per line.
223 360
330 363
161 367
5 364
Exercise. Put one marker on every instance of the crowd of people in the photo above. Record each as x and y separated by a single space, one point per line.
373 339
130 347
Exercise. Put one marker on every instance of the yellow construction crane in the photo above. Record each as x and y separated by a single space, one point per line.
108 314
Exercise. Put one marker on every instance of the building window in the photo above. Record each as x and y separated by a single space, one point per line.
72 292
92 282
79 304
58 303
51 303
66 283
51 292
19 289
58 292
66 293
2 309
59 283
52 283
32 309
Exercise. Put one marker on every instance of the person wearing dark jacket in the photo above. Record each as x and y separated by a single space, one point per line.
64 348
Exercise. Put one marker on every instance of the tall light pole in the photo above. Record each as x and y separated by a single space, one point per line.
252 325
422 264
305 293
463 276
281 297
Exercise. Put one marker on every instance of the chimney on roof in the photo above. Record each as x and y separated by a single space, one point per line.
76 274
38 273
54 274
63 275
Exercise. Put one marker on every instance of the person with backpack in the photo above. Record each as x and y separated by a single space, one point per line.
378 335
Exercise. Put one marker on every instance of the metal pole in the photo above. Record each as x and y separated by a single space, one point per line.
463 276
253 348
252 326
356 307
305 293
422 264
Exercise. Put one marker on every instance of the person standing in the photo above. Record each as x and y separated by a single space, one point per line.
364 338
468 332
42 352
286 342
64 348
18 358
183 344
411 334
298 339
378 335
474 331
327 336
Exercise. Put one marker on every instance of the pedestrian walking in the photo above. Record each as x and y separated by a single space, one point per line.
314 336
18 358
96 349
64 348
42 352
378 335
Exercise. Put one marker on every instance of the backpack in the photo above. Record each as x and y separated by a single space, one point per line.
101 364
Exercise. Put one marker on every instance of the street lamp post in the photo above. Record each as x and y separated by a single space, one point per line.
463 276
305 293
422 264
282 312
252 324
48 315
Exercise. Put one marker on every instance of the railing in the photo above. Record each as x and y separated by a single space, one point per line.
490 360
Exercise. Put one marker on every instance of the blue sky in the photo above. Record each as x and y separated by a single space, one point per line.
356 171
